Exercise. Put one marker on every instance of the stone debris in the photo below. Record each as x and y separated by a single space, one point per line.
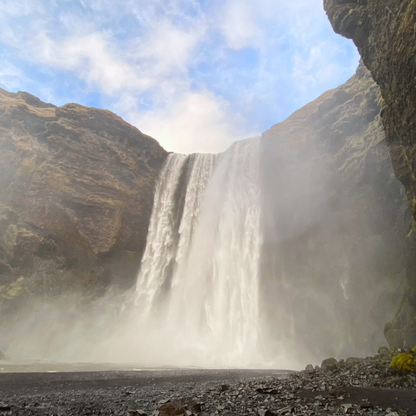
173 408
329 363
313 392
309 367
139 412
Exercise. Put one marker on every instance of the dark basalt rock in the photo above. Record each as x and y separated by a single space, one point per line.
76 194
384 33
173 408
329 363
333 206
366 388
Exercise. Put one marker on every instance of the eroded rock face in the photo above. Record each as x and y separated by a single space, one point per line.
336 221
76 193
384 33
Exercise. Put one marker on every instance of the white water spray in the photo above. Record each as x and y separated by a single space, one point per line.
230 278
198 286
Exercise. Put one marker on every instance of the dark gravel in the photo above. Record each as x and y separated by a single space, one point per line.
113 392
357 386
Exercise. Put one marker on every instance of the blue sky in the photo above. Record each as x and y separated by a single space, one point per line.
194 74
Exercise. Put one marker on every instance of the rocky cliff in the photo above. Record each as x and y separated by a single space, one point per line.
76 193
384 32
336 221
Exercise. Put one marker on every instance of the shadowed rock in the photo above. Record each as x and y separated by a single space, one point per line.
76 194
384 33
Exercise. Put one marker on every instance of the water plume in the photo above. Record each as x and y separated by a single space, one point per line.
199 281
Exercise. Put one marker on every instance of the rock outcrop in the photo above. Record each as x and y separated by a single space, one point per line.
76 194
384 33
337 221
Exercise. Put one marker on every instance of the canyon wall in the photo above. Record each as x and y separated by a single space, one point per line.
76 194
384 32
77 185
336 220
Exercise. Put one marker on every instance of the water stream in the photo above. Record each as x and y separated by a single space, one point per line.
198 286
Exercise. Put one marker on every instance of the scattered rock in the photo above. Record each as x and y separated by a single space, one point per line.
383 350
195 407
266 391
348 408
365 404
265 412
329 391
139 412
337 392
174 408
352 360
309 367
329 363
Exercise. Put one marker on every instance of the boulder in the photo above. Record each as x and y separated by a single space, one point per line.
309 368
352 360
329 363
173 408
383 350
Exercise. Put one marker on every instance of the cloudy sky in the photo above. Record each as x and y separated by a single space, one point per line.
194 74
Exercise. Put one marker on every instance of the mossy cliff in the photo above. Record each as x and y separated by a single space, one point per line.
76 193
336 221
384 32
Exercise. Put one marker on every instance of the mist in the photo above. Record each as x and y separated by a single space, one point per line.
254 259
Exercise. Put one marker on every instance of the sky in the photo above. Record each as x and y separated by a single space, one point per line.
196 75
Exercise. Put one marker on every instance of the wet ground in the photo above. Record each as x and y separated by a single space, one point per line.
358 386
110 392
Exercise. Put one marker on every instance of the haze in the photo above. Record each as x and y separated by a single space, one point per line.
195 75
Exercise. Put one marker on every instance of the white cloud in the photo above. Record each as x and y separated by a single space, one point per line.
238 26
166 65
197 122
10 77
93 58
244 23
317 66
166 49
22 7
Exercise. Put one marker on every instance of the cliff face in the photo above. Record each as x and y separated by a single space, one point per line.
336 219
385 35
76 193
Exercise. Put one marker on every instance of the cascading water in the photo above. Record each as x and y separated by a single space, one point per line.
246 265
198 286
232 277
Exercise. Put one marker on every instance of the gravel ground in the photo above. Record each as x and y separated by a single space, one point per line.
356 386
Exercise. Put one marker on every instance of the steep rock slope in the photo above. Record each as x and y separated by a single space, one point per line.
336 221
385 33
76 193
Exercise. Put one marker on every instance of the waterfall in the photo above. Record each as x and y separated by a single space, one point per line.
197 294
